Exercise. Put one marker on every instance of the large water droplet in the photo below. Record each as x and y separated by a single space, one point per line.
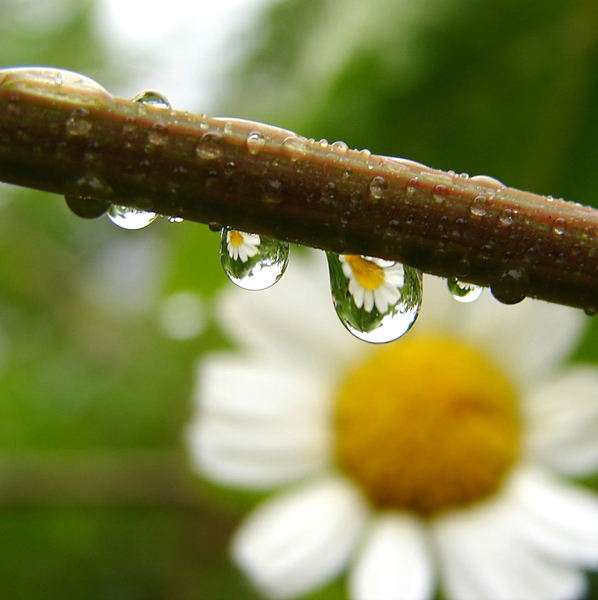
86 207
152 98
252 261
510 289
130 218
376 300
463 292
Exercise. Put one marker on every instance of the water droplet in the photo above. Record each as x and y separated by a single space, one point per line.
86 207
463 292
130 218
479 207
440 192
376 300
296 146
378 187
487 181
152 99
255 142
342 146
158 134
510 289
208 147
253 262
506 217
78 122
559 226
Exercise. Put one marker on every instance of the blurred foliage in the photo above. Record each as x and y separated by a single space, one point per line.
86 373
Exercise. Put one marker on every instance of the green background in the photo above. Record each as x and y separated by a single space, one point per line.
97 499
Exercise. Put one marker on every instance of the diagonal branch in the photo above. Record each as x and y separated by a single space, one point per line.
64 133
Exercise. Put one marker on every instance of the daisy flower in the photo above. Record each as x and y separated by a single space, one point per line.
242 246
438 462
373 281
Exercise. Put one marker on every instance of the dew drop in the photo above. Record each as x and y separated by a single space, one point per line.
376 300
463 292
559 226
440 192
479 207
511 286
86 207
255 142
296 146
152 98
208 147
342 146
158 134
251 261
78 123
130 218
378 186
506 217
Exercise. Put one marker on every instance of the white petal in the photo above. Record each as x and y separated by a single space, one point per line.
260 426
368 304
258 389
298 541
285 319
558 518
482 558
394 562
562 418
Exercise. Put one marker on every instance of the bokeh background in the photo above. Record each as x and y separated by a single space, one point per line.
101 328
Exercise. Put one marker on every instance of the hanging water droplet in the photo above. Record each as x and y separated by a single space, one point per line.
130 218
255 142
152 99
252 261
376 300
511 286
463 292
86 207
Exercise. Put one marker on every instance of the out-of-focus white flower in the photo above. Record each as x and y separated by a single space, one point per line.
242 246
438 460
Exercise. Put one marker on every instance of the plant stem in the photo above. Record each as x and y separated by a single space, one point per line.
63 133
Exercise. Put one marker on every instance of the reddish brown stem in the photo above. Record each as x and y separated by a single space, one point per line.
63 133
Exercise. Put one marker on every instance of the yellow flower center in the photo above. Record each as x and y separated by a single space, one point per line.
426 425
236 238
369 275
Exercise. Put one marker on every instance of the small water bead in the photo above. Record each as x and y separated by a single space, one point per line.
78 123
208 147
341 146
251 261
158 134
440 192
463 292
378 186
152 98
559 226
255 142
506 217
480 206
130 218
376 300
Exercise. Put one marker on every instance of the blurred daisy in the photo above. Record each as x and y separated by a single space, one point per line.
373 281
439 460
242 246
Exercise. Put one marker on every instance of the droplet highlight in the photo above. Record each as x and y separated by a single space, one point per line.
463 292
255 142
376 300
130 218
251 261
